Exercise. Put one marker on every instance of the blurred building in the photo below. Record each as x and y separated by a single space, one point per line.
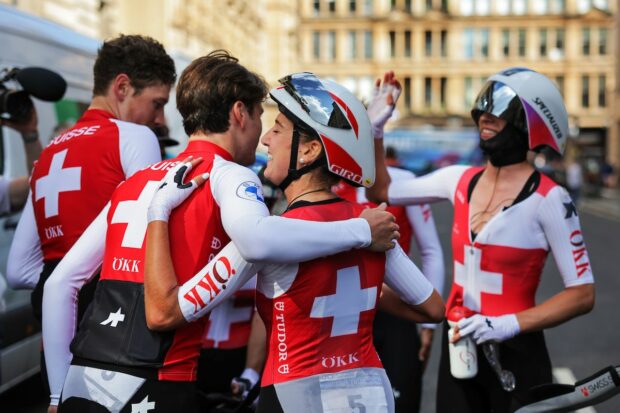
443 50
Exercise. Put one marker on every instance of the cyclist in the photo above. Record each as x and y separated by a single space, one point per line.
318 313
118 362
110 142
507 216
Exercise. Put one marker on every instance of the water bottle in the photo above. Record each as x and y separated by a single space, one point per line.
463 356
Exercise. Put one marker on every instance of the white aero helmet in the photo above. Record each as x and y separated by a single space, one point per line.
337 117
530 102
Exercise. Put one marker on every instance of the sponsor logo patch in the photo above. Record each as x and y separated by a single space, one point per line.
250 190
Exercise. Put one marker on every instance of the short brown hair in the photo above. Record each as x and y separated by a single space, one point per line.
143 59
210 86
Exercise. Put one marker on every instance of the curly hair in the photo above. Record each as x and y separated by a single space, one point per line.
141 58
210 86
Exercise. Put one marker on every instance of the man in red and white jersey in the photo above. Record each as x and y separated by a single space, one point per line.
77 172
118 359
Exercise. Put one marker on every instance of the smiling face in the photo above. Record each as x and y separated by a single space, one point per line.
489 125
278 141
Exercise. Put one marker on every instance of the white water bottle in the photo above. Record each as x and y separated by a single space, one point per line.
463 356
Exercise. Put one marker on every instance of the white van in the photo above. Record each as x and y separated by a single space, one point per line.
30 41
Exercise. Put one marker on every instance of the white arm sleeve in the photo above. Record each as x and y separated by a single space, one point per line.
560 224
25 261
5 199
433 187
425 233
138 147
402 275
60 299
204 291
263 238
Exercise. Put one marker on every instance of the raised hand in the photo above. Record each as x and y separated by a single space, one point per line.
384 98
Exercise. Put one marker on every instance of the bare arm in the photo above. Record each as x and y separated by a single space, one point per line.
18 192
257 344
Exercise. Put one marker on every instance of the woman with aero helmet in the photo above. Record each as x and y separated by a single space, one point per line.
319 313
507 217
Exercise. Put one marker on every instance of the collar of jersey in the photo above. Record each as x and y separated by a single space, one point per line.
196 146
94 114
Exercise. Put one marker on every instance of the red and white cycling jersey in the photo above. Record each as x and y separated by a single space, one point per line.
230 322
498 272
416 220
71 182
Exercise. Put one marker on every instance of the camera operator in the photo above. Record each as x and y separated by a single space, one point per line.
14 192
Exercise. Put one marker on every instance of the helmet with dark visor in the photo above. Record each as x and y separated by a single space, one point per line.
501 101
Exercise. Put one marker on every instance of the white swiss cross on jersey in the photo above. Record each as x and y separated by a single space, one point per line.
133 213
474 280
347 304
57 180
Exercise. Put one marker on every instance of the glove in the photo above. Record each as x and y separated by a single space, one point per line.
383 102
484 328
172 191
241 386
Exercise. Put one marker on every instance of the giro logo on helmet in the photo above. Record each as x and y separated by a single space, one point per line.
346 174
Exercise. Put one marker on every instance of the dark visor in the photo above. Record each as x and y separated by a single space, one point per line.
501 101
315 100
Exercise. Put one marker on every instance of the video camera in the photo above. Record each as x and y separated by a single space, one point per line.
16 105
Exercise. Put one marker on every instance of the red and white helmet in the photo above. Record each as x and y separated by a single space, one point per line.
337 117
528 101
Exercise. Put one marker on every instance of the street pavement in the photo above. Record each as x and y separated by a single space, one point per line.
579 348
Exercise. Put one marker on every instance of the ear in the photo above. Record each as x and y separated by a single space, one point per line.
310 150
238 114
121 87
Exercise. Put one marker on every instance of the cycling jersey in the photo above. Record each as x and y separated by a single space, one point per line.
318 315
230 322
71 182
233 196
499 271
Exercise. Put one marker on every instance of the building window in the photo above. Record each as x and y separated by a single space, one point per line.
560 39
331 44
352 6
392 44
502 7
442 91
429 5
558 6
407 92
316 44
367 7
368 44
506 42
468 88
428 43
522 42
407 43
444 6
444 43
601 4
392 5
408 6
602 89
352 45
541 6
484 42
331 6
316 7
519 7
483 7
543 42
468 44
585 41
467 7
602 41
585 91
428 91
559 81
